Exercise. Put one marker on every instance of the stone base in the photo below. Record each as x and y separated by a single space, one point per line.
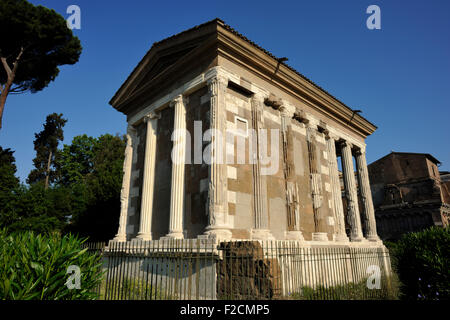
373 238
357 239
173 235
217 234
294 235
320 236
260 234
120 238
340 238
143 237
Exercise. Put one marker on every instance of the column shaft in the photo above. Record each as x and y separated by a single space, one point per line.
124 193
353 216
320 227
149 178
261 215
218 184
178 166
366 197
340 234
291 186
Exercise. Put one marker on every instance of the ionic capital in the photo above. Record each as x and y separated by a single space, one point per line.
176 100
359 151
259 97
285 112
215 82
333 136
311 126
152 115
345 143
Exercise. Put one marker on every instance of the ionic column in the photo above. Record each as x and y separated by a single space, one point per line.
178 165
124 193
319 233
218 184
261 215
353 217
292 196
340 234
366 197
149 178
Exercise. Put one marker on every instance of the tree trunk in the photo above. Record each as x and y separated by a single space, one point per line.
5 91
11 73
49 162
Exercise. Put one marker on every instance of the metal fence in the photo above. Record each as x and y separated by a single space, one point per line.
204 269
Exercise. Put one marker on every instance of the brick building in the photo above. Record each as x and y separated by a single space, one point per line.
409 193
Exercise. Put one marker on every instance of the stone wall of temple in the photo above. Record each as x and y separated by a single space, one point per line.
297 198
163 171
196 175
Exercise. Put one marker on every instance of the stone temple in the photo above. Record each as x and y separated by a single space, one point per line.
226 141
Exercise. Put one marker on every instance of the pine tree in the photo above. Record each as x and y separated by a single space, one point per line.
8 170
46 147
35 41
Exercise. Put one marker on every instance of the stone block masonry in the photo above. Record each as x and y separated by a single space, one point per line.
259 146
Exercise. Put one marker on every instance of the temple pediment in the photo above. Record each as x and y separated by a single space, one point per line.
161 57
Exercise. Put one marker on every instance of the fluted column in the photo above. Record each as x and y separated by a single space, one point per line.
178 166
339 232
218 180
292 190
366 197
261 214
149 178
319 233
353 216
125 192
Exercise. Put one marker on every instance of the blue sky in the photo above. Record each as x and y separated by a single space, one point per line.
398 76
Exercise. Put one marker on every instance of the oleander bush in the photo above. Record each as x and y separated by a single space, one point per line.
36 267
422 262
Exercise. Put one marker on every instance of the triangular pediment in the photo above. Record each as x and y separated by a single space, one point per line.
162 55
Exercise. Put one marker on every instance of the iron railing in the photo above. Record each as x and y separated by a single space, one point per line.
203 269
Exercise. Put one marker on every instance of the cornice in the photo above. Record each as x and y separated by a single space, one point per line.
163 79
239 51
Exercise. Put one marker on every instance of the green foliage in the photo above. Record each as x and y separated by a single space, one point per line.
350 291
46 147
7 171
46 41
133 288
35 267
92 168
30 208
422 262
9 183
76 160
85 198
38 209
35 41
